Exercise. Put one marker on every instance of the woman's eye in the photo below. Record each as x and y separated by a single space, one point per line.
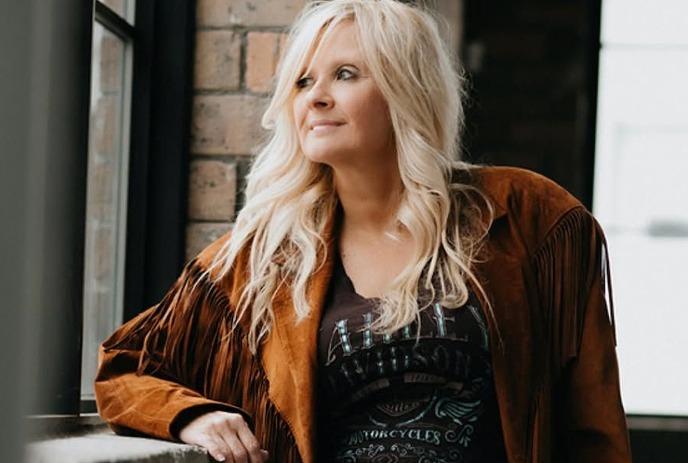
343 74
302 82
346 74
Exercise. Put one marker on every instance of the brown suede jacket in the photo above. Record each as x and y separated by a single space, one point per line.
555 369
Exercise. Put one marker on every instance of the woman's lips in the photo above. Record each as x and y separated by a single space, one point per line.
315 122
325 128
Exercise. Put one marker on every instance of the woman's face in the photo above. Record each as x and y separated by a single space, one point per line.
341 116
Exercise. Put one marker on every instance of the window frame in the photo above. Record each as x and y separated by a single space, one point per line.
114 26
163 37
156 222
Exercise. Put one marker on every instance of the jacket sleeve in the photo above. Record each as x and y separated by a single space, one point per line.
574 276
152 371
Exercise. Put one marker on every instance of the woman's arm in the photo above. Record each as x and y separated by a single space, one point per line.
573 278
592 407
151 369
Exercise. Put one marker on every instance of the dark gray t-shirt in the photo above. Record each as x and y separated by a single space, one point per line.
390 399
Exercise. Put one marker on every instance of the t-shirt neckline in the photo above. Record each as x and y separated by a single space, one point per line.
350 284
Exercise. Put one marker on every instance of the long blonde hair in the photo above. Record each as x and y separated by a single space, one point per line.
289 199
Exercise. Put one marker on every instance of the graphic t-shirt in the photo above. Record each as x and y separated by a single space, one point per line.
388 398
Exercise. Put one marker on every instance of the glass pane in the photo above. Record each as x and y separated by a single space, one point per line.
124 8
106 196
641 196
660 22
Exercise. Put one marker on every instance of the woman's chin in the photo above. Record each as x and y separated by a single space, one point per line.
324 157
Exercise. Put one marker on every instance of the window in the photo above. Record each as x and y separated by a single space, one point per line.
641 194
138 164
107 185
107 159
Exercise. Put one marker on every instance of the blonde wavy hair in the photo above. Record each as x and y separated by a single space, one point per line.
290 198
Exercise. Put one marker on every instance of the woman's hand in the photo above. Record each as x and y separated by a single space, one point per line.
226 436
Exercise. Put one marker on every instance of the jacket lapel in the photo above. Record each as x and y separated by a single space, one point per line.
289 356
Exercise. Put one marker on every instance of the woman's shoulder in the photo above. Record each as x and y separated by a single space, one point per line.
530 200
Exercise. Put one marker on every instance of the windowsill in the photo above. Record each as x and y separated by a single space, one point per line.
657 423
87 439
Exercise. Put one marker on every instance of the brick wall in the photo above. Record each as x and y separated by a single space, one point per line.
238 44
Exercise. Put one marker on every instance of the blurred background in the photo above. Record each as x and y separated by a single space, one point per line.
127 128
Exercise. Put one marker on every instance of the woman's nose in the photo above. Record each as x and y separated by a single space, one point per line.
319 96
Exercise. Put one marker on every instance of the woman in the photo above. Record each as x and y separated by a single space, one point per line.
379 300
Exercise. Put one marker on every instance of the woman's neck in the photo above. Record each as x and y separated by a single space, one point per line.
369 200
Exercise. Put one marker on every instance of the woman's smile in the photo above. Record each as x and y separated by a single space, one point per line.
325 128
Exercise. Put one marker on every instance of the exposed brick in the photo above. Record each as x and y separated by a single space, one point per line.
105 126
224 13
101 192
199 235
217 60
110 63
226 124
212 190
100 249
262 52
